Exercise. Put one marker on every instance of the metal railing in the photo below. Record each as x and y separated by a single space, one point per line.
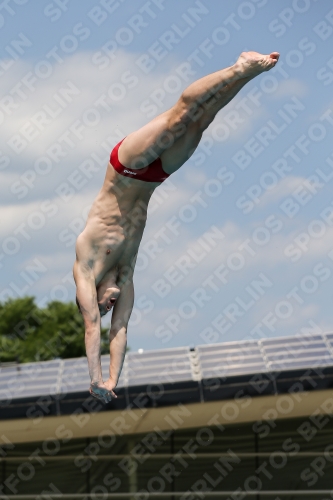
174 494
168 456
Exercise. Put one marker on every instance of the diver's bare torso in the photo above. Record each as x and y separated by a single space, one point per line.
109 243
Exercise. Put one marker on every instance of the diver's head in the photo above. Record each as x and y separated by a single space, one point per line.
106 298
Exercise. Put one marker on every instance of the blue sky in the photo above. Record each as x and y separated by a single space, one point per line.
238 242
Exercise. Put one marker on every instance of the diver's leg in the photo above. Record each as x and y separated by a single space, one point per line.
192 113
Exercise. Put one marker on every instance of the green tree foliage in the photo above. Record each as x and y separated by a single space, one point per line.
29 333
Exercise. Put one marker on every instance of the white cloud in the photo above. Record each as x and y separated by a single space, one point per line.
265 252
291 87
35 216
101 100
283 188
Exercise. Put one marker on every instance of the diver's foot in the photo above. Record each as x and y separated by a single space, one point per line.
250 64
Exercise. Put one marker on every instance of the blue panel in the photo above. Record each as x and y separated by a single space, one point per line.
171 365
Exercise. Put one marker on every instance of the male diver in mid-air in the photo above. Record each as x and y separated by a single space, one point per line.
106 250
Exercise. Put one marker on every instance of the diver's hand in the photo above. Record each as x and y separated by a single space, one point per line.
110 385
101 391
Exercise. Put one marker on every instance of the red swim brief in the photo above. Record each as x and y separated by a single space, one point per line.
152 173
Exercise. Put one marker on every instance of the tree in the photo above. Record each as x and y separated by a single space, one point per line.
29 333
